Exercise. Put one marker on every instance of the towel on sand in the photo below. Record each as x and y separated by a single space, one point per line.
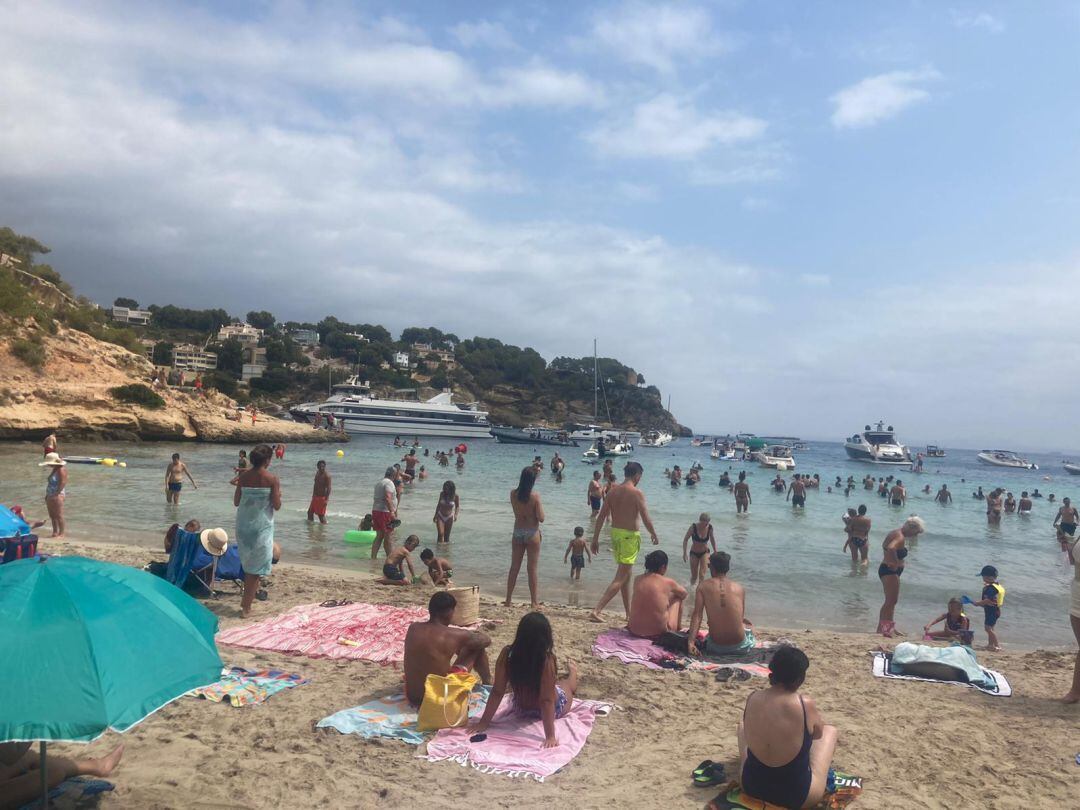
847 790
630 649
242 687
512 747
72 792
392 717
996 683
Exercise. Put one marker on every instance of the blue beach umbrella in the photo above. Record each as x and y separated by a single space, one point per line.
95 646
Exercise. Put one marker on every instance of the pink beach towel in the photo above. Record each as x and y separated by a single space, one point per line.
359 631
622 645
512 747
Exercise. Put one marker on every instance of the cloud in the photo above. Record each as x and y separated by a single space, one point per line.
657 36
543 86
980 20
815 279
878 98
672 128
483 34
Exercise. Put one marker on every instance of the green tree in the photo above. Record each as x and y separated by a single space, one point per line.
130 303
163 353
261 319
231 356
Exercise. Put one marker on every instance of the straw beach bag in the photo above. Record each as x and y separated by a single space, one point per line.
467 610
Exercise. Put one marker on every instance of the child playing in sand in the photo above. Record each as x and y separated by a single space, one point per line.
392 571
576 550
993 597
957 625
439 569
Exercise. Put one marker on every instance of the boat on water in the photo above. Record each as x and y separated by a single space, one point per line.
588 434
933 451
1005 458
1071 469
532 435
722 450
748 442
776 457
359 412
656 438
877 446
602 450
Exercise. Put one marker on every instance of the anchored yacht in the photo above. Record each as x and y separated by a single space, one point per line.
1005 458
877 446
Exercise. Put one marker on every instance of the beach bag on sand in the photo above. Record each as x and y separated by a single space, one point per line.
446 701
467 609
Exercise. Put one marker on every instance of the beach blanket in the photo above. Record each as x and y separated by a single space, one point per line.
243 687
392 717
512 747
72 792
630 649
996 683
847 790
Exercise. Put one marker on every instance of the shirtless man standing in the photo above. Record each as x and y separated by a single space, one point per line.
174 479
1065 523
944 496
797 492
898 495
625 504
858 529
657 602
435 648
320 494
595 495
1024 507
723 602
742 494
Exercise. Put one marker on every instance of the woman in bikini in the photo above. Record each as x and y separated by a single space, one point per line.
528 515
529 668
700 535
784 745
892 566
446 511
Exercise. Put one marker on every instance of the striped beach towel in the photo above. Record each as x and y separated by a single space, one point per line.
392 717
243 687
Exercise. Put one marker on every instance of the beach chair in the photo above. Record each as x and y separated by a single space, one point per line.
189 565
17 542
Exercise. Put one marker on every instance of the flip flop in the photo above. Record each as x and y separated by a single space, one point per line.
741 675
714 775
705 765
724 674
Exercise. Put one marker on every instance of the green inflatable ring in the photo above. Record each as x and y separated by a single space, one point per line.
359 537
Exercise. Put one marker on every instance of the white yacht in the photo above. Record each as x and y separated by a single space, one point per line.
1005 458
877 446
591 433
656 438
776 457
360 412
595 453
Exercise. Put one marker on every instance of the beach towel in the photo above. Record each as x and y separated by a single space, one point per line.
512 747
630 649
392 717
994 683
847 790
255 530
243 687
185 546
72 792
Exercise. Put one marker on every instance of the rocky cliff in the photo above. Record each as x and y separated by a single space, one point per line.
69 394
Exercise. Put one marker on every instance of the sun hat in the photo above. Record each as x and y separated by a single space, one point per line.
215 541
53 460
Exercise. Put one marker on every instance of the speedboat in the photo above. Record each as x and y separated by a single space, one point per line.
532 435
722 451
1005 458
592 433
933 451
776 457
1071 469
657 438
600 450
877 446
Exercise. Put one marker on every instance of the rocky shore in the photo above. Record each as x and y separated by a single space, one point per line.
70 395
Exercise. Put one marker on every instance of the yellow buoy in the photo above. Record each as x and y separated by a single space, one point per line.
340 453
108 462
122 464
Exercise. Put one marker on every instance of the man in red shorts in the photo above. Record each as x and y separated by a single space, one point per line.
320 494
384 514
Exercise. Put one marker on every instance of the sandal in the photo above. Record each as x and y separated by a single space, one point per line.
724 674
335 603
714 775
704 766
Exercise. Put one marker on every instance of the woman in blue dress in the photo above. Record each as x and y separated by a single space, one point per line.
257 497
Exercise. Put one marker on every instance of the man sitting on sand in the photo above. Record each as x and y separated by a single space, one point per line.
657 602
723 601
20 779
435 648
393 572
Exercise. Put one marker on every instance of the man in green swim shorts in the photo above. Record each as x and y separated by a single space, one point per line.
625 504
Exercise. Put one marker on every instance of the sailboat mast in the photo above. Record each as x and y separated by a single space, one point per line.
594 403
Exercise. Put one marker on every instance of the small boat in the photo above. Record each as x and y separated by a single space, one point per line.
776 457
722 451
933 451
657 438
877 446
1005 458
697 441
532 435
1071 469
600 450
104 462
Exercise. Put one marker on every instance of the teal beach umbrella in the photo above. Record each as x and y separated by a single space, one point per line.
88 646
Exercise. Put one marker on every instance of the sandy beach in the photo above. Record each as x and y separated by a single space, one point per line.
915 744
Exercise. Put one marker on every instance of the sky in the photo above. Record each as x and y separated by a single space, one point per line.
794 218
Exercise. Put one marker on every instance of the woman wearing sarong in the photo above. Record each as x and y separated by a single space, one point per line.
257 497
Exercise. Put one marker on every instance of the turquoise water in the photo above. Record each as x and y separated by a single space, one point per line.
790 561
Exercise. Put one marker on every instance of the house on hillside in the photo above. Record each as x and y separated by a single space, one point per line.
245 333
432 357
193 358
134 317
305 337
401 359
254 363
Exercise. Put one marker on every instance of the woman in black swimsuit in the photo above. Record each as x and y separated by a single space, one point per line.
892 566
789 733
701 535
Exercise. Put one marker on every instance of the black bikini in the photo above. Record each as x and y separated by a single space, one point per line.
695 539
886 570
784 785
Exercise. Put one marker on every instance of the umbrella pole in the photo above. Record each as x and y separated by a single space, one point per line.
44 778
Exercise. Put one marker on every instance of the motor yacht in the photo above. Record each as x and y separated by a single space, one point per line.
1005 458
656 438
877 446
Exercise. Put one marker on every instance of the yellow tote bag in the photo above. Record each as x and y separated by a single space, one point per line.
446 701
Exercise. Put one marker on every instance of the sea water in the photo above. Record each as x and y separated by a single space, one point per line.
790 560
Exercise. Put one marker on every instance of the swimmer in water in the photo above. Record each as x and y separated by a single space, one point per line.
943 496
